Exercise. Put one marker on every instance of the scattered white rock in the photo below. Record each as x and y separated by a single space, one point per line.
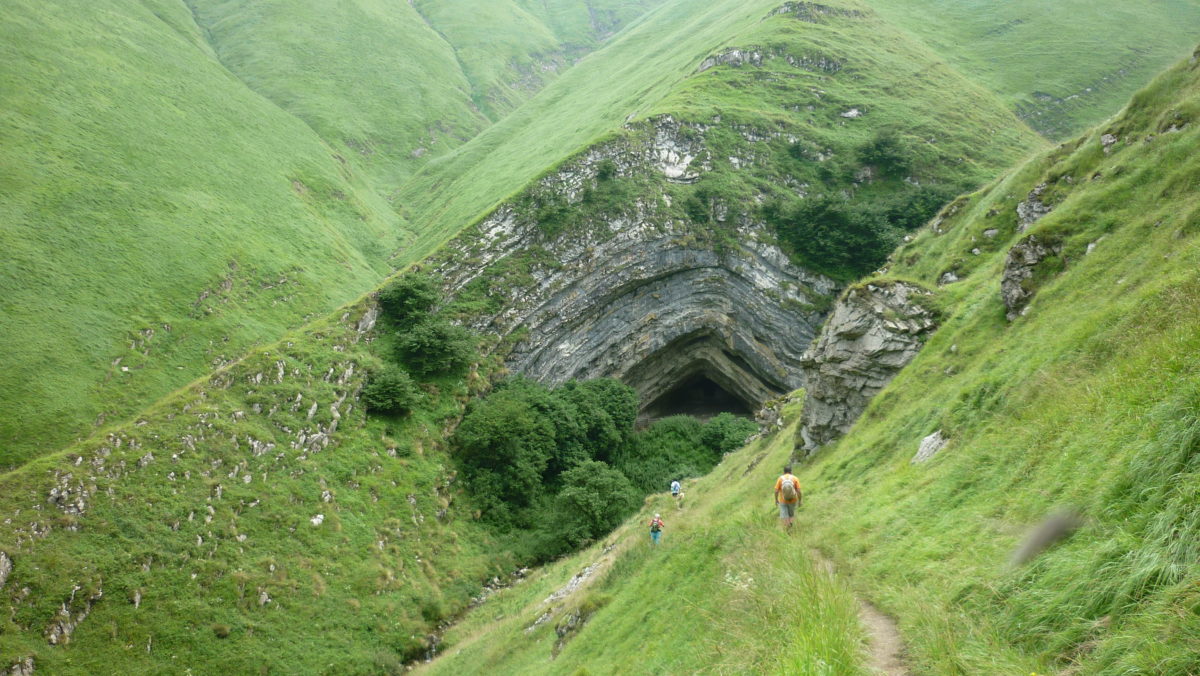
6 566
853 113
316 520
929 447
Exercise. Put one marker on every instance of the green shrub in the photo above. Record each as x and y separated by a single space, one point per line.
435 347
505 445
410 297
595 498
391 391
888 153
726 432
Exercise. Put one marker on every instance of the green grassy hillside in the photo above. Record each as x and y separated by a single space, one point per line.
391 85
1089 401
159 217
372 78
1038 56
509 50
725 591
257 521
175 141
654 68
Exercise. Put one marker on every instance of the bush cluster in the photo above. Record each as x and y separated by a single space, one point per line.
426 345
563 467
852 228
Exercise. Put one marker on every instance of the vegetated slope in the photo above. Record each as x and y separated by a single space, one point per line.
1039 56
1088 399
390 85
159 217
654 68
371 77
509 50
257 520
725 591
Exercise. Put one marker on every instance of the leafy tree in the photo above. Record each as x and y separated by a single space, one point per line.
668 449
570 447
594 499
408 298
505 446
435 347
605 410
391 390
833 235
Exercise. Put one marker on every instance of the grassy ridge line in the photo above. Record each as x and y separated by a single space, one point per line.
391 85
1021 51
160 218
1090 400
724 592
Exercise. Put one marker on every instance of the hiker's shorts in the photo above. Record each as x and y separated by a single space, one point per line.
787 510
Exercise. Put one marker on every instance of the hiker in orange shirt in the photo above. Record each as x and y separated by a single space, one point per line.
787 496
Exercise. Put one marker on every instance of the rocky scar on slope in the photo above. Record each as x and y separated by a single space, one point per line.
873 332
1020 267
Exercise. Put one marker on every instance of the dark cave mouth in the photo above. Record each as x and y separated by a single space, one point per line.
698 396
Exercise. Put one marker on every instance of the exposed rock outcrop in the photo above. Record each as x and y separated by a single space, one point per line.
929 447
757 56
812 12
1032 209
1019 267
22 668
873 332
72 613
6 566
640 295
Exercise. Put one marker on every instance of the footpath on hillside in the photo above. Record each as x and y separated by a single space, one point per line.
725 591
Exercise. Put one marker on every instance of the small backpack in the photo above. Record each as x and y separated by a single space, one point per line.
788 487
655 525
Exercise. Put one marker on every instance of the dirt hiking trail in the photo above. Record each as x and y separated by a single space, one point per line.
885 647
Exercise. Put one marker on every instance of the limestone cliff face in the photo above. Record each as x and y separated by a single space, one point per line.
873 332
639 293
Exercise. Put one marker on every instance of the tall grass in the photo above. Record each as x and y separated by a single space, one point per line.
1089 401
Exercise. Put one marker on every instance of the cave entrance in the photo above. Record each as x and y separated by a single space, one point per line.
696 396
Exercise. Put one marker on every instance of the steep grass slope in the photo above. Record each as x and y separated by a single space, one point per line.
1039 56
159 217
149 138
372 78
725 591
658 67
259 520
390 85
1089 399
509 50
